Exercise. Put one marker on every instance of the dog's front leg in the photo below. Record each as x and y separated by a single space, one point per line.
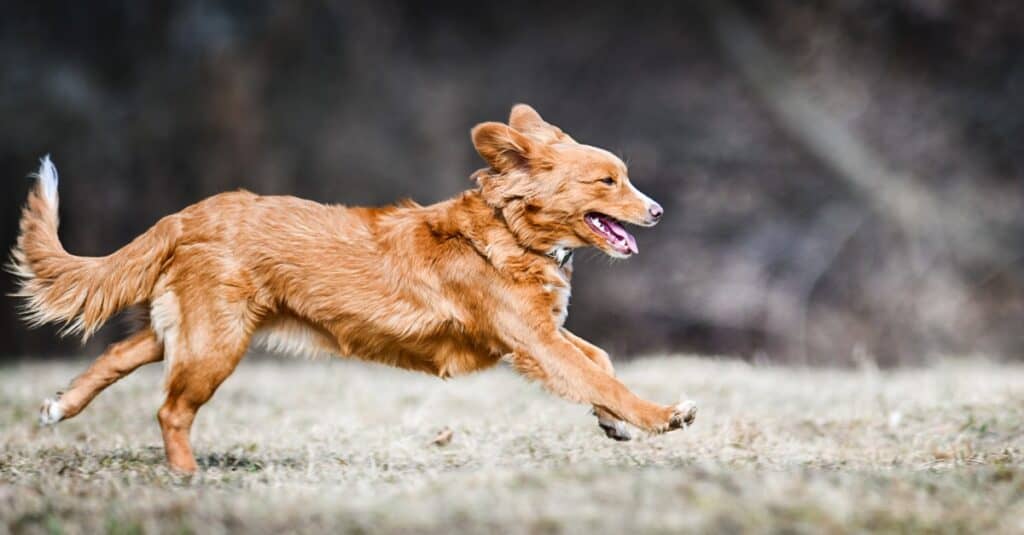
567 372
613 427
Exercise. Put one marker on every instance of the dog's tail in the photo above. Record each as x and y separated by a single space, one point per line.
81 292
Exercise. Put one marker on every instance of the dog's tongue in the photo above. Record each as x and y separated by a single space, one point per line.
631 242
617 229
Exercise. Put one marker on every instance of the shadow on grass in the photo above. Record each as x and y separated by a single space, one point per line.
248 463
67 461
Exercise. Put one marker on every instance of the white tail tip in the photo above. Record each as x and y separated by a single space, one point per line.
47 176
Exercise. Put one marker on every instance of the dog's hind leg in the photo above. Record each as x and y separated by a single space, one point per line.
117 361
205 353
191 383
613 427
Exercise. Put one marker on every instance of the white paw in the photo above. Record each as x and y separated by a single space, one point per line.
615 429
683 415
50 413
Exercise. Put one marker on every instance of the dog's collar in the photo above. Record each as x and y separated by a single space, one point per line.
562 255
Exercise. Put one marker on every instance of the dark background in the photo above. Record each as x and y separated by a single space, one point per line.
842 179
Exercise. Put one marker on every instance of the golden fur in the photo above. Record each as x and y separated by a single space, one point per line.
446 289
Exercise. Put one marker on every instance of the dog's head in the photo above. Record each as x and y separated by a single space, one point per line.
555 192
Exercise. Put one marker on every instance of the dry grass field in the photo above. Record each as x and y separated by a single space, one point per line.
347 447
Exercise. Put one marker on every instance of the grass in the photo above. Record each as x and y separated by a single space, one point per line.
347 447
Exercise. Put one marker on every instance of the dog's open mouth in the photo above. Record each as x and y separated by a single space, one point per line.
612 231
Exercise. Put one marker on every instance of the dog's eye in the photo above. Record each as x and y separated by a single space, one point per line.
608 180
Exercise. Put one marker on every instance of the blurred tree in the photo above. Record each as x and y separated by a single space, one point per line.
773 244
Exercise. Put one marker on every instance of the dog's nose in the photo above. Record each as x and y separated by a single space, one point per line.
656 211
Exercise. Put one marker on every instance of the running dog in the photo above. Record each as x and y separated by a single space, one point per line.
446 289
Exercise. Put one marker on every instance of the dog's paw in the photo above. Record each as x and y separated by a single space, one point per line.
676 417
615 429
683 415
50 413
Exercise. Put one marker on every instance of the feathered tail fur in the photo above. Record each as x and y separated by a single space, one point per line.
80 292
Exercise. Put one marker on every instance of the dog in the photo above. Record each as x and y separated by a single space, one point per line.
447 289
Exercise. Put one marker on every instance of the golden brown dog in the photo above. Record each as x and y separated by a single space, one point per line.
446 289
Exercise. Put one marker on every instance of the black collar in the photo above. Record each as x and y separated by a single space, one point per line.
562 255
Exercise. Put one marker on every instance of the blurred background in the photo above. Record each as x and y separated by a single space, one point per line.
843 180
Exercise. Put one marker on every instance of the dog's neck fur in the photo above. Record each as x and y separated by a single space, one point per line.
503 235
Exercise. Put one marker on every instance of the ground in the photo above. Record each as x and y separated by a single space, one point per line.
347 446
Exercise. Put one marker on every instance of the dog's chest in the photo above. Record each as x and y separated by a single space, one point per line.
559 289
560 307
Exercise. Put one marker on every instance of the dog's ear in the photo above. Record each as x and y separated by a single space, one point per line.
526 119
504 147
